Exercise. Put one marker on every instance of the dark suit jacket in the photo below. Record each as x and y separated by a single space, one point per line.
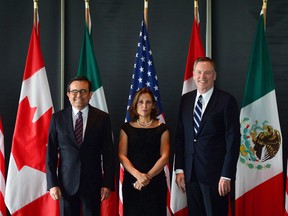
214 151
80 163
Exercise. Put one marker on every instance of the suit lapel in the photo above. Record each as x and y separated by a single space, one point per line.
90 119
209 108
69 121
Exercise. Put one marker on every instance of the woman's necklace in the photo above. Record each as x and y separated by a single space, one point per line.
142 124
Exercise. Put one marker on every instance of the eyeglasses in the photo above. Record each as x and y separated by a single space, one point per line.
81 91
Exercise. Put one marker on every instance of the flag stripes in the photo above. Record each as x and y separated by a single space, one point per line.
2 171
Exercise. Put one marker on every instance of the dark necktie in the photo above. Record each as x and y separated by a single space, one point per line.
79 128
197 114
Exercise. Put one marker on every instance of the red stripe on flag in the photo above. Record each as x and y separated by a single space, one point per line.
2 171
2 205
266 199
44 205
35 63
182 212
195 50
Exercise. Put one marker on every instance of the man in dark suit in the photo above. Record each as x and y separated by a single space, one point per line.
207 144
76 150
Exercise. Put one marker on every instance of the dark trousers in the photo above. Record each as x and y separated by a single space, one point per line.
204 200
79 204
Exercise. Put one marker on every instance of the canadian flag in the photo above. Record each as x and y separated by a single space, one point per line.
178 199
26 192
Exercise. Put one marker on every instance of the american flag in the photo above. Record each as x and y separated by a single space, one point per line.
144 76
144 71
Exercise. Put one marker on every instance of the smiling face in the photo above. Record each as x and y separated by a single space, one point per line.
79 94
204 76
144 105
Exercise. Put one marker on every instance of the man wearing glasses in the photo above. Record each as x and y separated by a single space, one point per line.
78 136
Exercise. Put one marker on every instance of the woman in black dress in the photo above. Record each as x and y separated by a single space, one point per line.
144 151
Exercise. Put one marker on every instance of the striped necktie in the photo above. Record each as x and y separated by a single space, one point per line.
197 114
79 128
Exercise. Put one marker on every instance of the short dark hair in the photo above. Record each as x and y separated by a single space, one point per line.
204 59
80 78
133 107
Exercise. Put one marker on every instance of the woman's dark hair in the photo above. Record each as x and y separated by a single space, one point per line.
133 107
80 78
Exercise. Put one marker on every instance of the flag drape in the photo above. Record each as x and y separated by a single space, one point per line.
2 171
144 76
178 199
26 188
88 67
259 179
286 193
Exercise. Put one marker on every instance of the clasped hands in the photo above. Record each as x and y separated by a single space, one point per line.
143 179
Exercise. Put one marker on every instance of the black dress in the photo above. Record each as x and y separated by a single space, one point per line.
143 152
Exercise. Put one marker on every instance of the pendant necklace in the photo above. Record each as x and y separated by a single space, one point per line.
141 124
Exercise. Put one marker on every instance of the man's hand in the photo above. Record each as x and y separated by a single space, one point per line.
224 186
55 193
180 181
105 193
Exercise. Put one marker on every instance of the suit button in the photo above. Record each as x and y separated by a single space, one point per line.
195 140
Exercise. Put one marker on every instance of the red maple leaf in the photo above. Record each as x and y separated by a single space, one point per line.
30 139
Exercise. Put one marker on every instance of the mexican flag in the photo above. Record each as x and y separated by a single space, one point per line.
259 179
88 67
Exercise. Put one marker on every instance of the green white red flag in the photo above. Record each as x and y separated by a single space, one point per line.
259 179
88 67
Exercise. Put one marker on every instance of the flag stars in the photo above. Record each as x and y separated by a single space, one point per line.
149 73
143 59
148 84
141 69
144 48
140 80
149 62
156 78
150 52
145 37
156 88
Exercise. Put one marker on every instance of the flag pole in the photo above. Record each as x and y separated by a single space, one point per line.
209 28
196 9
87 18
146 13
35 18
62 53
264 8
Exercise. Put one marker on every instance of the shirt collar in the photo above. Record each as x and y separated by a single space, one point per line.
84 111
206 96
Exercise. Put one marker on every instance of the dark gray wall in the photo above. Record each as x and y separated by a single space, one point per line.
116 25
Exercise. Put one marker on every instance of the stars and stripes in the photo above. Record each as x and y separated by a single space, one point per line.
144 72
144 76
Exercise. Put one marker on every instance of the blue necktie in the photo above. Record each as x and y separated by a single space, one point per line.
197 114
79 128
